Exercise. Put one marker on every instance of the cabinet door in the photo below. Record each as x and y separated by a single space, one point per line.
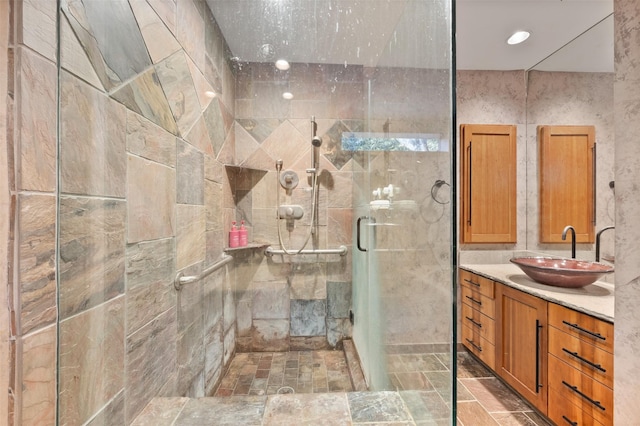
521 347
488 196
567 186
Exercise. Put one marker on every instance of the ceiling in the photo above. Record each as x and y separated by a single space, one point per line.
383 32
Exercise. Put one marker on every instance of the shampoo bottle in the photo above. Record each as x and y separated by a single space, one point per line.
243 235
234 236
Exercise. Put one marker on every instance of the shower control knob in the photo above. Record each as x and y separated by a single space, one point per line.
292 211
289 179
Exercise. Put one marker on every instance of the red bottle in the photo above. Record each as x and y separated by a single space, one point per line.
243 235
234 236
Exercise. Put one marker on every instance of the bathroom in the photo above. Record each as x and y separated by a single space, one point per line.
130 216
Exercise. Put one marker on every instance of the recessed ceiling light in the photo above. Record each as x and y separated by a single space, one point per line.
518 37
287 95
282 64
210 94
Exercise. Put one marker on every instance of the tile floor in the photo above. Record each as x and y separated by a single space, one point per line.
422 396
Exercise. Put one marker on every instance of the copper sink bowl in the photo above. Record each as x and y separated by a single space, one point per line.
561 272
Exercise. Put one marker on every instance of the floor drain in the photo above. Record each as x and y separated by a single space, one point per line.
286 389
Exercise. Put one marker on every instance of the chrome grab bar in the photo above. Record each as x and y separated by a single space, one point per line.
181 280
342 250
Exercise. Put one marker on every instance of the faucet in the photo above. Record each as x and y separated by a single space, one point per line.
598 241
573 239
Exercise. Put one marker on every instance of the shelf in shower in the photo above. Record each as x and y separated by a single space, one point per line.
254 245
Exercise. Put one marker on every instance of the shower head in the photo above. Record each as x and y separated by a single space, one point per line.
316 141
278 165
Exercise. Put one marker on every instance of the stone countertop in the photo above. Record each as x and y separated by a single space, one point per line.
596 299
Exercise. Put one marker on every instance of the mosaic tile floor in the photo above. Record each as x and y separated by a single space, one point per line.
421 399
268 373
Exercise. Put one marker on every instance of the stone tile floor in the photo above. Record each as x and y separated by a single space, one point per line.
422 396
268 373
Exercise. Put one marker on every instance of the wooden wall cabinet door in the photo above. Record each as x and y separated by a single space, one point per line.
488 184
521 346
567 182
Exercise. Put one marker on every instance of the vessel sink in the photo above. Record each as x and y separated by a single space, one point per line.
561 272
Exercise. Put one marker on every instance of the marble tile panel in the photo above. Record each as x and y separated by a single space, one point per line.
270 300
190 235
286 143
213 205
198 136
377 407
39 377
472 412
38 27
73 58
190 359
235 410
216 126
92 354
159 39
151 354
92 157
146 96
189 175
112 414
308 317
111 37
177 84
92 252
338 329
150 141
160 412
347 101
308 343
151 189
339 226
214 170
190 31
166 10
35 123
215 245
205 92
213 357
246 145
229 344
332 145
312 409
37 236
338 299
150 272
270 335
307 280
212 296
259 129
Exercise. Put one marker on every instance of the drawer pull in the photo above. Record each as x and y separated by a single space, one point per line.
566 419
575 389
476 323
471 282
479 348
586 361
538 328
590 333
474 300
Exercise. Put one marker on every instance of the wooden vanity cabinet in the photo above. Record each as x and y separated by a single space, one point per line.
580 368
477 316
488 183
521 343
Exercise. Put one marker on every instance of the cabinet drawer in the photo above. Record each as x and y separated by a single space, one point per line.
477 283
585 327
474 319
581 355
594 398
564 412
480 346
478 301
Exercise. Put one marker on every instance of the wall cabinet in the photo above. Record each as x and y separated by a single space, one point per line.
567 182
488 183
559 359
521 347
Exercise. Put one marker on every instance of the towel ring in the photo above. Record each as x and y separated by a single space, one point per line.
437 186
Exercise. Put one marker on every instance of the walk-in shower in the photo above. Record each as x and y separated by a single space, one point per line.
170 119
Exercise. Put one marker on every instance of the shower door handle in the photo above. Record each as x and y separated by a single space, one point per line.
360 219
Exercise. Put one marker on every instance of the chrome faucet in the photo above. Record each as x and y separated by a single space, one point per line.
598 241
573 239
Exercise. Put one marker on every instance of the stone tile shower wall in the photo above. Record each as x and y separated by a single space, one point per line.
146 123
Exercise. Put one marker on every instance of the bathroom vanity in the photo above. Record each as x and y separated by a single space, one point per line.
552 345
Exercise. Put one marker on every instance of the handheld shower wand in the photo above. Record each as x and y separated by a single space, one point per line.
316 142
